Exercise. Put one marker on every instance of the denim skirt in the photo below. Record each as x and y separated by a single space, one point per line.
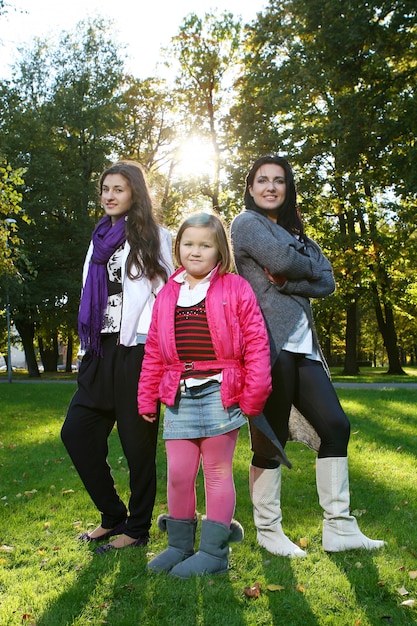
198 412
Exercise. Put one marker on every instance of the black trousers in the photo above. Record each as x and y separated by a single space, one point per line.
305 384
107 394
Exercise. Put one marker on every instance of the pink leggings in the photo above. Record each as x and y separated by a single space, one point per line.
184 457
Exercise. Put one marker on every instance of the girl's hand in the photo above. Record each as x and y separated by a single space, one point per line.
149 417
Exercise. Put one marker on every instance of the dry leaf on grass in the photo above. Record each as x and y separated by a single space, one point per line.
5 548
403 591
300 588
409 603
253 592
413 574
273 587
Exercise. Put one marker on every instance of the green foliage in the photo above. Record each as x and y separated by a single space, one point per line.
48 578
331 84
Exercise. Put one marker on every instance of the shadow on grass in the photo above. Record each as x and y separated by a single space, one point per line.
116 589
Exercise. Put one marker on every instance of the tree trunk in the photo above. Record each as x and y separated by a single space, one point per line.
26 331
49 353
387 329
351 363
68 361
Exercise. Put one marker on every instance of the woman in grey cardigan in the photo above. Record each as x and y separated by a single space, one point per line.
286 269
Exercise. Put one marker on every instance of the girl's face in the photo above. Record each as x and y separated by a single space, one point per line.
198 251
116 196
269 188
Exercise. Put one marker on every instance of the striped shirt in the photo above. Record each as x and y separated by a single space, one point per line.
192 334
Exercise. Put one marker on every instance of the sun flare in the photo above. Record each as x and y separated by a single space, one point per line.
195 158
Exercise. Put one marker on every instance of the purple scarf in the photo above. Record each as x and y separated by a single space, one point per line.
106 240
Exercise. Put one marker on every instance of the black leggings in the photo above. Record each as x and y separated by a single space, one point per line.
106 394
304 383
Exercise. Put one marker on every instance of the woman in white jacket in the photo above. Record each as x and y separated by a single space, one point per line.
128 261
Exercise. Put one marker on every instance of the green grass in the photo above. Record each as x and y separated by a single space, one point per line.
375 375
48 579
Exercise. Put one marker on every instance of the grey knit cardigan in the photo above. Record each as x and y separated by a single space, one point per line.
259 243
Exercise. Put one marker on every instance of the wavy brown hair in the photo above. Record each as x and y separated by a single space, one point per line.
142 230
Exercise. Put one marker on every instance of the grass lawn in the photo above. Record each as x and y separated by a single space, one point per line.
49 579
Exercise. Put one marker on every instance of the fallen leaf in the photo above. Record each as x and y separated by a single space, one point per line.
413 574
272 587
253 592
303 543
5 548
29 494
300 588
381 583
409 603
402 591
65 491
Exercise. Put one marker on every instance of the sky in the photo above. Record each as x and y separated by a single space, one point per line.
144 27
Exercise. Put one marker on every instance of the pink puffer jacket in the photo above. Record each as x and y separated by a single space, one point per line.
239 338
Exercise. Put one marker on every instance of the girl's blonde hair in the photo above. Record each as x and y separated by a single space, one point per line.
212 221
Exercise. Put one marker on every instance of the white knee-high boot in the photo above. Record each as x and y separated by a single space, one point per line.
265 492
340 529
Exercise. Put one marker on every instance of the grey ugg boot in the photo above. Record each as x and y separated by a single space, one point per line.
265 493
213 554
340 529
181 537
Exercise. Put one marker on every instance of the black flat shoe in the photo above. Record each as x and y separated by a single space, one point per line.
140 541
117 530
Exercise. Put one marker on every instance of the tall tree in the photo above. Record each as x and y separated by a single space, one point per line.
331 84
64 117
207 50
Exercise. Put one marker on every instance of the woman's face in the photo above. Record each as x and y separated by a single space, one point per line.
269 188
116 196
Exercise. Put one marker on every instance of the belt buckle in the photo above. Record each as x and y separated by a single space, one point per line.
188 367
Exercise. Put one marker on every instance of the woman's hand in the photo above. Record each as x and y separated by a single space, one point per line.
278 279
149 417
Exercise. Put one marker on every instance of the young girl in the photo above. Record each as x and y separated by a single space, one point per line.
128 260
207 359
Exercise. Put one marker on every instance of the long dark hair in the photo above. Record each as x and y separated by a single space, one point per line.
288 215
142 231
